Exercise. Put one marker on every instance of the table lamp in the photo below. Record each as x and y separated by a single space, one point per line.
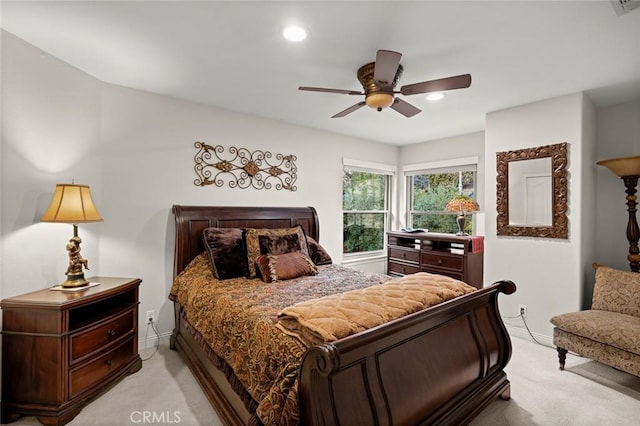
73 204
462 204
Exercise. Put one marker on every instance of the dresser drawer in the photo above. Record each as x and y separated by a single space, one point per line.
442 260
91 340
93 372
402 268
404 254
453 274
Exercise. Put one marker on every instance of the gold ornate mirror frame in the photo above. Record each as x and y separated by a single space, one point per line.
559 226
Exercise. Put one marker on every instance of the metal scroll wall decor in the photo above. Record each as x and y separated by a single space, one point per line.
244 168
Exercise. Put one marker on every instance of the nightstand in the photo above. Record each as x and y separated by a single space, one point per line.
61 349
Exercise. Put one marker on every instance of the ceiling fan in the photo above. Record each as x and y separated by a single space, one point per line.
379 80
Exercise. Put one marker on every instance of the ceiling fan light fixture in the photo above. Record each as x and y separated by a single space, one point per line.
294 33
379 100
435 96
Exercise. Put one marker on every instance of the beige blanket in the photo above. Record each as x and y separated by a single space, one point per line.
339 315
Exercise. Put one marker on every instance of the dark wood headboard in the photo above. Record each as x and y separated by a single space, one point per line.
192 220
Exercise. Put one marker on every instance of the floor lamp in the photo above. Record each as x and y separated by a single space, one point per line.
628 168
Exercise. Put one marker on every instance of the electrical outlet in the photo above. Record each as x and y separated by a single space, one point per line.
151 317
523 310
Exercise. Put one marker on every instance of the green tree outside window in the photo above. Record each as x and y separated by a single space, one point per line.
430 193
364 205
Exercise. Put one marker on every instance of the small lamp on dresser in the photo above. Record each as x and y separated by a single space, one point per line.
462 204
628 169
73 204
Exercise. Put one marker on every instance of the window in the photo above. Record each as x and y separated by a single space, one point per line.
430 188
365 206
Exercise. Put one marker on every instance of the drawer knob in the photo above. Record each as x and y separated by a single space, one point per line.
109 362
111 334
439 261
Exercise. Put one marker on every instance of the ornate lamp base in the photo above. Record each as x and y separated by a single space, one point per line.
461 219
75 281
75 275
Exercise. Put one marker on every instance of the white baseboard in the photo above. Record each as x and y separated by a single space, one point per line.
522 333
147 338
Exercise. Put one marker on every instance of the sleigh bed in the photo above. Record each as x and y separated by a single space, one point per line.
440 365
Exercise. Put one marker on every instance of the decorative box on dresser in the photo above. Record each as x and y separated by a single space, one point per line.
457 256
61 349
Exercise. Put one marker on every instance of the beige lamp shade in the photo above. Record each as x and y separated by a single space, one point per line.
627 166
71 203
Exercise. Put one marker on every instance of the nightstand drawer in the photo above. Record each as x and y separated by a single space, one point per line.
404 254
94 371
442 261
401 268
89 341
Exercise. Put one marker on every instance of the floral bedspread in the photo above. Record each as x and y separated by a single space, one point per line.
236 319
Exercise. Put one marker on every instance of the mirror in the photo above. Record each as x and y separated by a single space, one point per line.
532 192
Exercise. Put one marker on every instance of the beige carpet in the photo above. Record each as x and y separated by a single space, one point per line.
587 393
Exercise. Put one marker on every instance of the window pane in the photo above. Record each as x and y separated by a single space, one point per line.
363 232
363 191
431 192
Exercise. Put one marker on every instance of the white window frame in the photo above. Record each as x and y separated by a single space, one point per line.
381 169
454 165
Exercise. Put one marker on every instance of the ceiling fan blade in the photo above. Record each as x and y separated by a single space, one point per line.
386 67
349 110
325 90
449 83
404 108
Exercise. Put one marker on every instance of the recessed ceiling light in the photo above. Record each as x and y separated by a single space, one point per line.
294 33
435 96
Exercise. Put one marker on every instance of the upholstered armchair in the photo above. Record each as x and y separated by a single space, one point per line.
609 332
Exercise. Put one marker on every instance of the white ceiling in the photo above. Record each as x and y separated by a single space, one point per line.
231 54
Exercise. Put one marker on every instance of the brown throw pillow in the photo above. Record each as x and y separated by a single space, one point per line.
278 267
259 241
225 248
279 244
317 253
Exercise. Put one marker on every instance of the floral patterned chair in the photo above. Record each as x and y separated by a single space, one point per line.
609 332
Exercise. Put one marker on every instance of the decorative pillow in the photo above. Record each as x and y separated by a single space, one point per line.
278 267
272 241
317 253
225 248
279 244
617 291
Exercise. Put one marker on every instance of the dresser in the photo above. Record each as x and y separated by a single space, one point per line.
457 256
60 349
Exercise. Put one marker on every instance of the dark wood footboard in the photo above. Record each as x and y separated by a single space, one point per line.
442 365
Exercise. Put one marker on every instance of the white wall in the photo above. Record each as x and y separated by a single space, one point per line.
618 134
135 150
50 134
549 273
